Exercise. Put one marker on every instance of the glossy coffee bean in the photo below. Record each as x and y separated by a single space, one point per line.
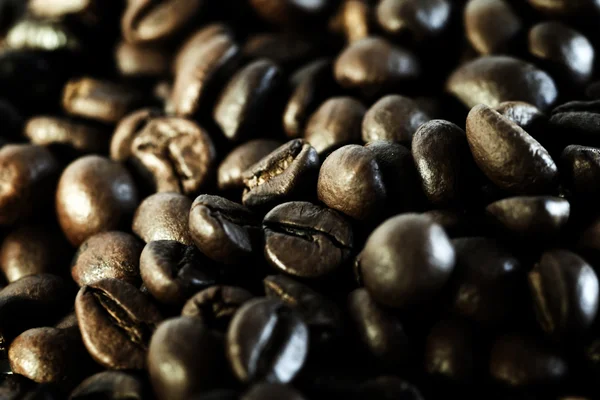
223 230
110 385
290 12
176 153
580 166
578 120
127 130
393 118
492 80
379 331
335 123
94 195
406 261
134 61
106 255
163 216
215 306
272 391
323 317
351 182
288 171
508 155
491 25
194 44
416 19
196 355
564 288
286 50
116 322
306 240
527 116
266 340
373 66
387 387
242 157
353 20
450 352
28 179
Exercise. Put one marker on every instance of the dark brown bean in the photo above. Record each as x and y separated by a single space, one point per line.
420 20
215 306
580 166
135 61
163 216
110 384
491 25
527 116
241 158
285 50
395 118
450 352
127 130
353 20
195 43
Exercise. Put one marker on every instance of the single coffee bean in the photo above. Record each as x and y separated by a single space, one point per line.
215 306
105 255
196 355
335 123
98 100
163 216
149 22
268 341
394 118
578 121
223 230
290 12
110 385
527 116
507 155
378 330
29 175
94 195
406 261
418 20
241 158
519 361
491 25
173 272
323 317
282 174
128 129
373 66
306 240
492 80
41 34
580 167
450 352
286 50
488 285
176 153
271 391
351 182
387 387
134 61
564 289
241 108
195 43
116 322
353 20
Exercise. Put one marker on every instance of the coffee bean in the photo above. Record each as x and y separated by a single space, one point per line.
374 66
281 175
94 195
450 352
266 340
41 34
406 261
241 158
335 123
306 240
351 182
527 116
394 118
127 130
353 20
173 272
564 289
195 43
105 255
286 50
196 355
508 155
387 387
492 80
241 108
116 322
136 61
176 153
110 385
378 330
491 25
272 391
580 167
418 20
163 216
290 12
223 230
578 120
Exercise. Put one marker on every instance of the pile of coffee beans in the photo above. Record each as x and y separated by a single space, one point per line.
299 199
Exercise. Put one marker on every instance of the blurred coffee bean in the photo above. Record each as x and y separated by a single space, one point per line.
215 306
241 158
527 116
291 13
287 51
418 20
110 385
41 34
450 352
195 43
84 11
271 391
387 387
354 20
127 130
577 122
163 216
580 167
491 25
138 61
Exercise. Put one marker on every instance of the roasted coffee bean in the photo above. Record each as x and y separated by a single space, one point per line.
285 50
578 120
564 289
507 155
110 385
272 391
128 129
335 123
266 340
135 61
519 361
105 255
373 66
290 12
94 195
387 387
176 153
416 19
379 331
394 118
163 216
243 104
351 182
491 25
450 352
223 230
306 240
492 80
173 272
406 261
323 317
215 306
41 34
195 43
116 322
353 20
488 285
288 171
29 175
196 355
580 167
527 116
240 159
